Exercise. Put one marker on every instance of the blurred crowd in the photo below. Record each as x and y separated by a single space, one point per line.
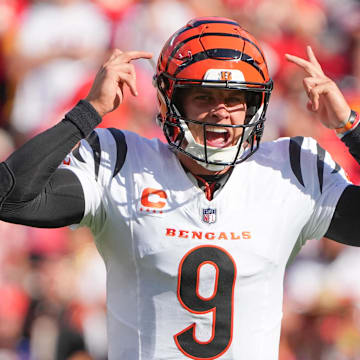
52 282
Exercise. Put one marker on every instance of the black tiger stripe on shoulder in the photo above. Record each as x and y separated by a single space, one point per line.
295 160
320 165
94 142
121 149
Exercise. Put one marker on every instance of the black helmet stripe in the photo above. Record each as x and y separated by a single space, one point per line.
224 54
171 56
202 22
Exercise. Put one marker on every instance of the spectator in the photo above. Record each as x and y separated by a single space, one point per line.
56 41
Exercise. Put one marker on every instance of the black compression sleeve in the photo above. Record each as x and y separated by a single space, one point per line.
61 203
30 180
345 224
32 165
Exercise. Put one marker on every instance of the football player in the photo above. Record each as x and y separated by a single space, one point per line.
195 245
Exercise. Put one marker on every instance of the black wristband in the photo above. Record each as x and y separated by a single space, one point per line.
84 117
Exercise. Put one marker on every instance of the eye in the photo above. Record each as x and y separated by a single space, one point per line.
234 100
203 98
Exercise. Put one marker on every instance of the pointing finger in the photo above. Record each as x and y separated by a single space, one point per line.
304 64
313 58
134 55
307 66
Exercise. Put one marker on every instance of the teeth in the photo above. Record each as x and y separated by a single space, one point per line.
217 130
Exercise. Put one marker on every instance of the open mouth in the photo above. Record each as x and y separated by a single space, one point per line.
217 137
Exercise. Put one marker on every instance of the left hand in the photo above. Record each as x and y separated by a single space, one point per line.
325 98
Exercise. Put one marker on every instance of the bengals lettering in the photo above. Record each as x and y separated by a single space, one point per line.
200 235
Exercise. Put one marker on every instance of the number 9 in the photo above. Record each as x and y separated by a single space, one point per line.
220 303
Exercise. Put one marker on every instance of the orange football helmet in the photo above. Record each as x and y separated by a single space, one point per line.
212 52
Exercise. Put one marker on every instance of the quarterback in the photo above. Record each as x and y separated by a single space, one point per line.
190 232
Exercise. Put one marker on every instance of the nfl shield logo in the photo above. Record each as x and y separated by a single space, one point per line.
209 215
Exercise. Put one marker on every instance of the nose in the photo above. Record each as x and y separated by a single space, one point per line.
220 112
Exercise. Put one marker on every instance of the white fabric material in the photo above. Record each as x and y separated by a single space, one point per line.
146 241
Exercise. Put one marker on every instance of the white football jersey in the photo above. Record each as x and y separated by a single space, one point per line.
189 278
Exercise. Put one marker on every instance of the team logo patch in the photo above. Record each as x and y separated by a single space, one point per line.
209 215
225 75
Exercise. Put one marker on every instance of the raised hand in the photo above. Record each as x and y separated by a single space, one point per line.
107 91
325 98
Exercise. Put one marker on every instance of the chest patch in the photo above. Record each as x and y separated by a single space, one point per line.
208 215
153 201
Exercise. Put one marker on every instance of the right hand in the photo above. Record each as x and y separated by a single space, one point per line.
107 91
325 98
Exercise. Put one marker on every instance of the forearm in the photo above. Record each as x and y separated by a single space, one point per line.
60 203
26 172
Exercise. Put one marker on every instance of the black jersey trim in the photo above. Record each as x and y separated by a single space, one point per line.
94 142
320 165
294 153
77 154
121 149
337 168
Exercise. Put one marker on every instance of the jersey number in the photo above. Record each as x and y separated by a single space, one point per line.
220 303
